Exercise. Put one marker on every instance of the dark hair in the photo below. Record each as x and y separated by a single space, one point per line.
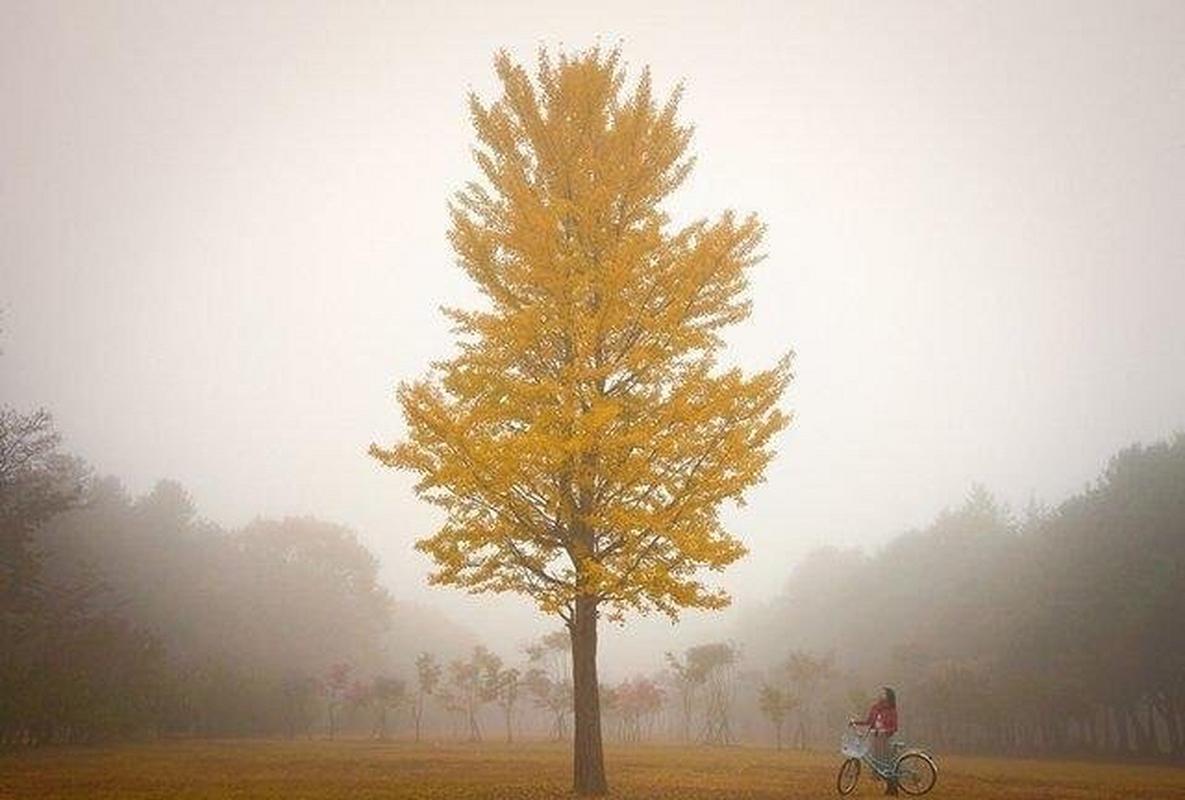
891 696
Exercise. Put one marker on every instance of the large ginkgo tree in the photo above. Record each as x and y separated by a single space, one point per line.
583 438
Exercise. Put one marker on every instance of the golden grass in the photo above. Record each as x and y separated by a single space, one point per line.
358 770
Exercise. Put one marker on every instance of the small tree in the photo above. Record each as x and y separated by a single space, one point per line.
470 687
299 696
636 702
553 696
807 674
717 663
386 694
336 687
428 672
552 653
548 679
687 676
775 704
505 686
584 438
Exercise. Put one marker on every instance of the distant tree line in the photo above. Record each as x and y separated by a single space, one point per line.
1062 633
124 616
1056 634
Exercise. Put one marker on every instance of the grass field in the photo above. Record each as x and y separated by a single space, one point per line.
359 770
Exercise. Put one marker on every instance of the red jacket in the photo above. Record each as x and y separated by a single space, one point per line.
882 718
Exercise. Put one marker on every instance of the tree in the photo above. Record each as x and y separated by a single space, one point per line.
718 661
385 693
775 703
298 693
548 680
687 676
505 685
583 440
555 696
711 667
427 680
37 482
806 674
470 686
552 652
337 690
315 596
637 701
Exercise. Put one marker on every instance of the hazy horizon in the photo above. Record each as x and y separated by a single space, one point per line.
222 244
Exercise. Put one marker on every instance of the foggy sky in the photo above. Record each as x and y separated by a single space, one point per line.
222 243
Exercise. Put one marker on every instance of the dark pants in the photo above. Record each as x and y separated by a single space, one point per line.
882 751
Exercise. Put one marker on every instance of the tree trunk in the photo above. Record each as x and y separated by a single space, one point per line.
474 727
1153 734
1175 733
588 763
1143 737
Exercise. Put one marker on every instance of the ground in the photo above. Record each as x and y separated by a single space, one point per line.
359 770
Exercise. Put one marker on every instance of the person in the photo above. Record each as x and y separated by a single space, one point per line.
881 722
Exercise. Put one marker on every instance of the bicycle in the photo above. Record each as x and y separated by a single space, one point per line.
913 768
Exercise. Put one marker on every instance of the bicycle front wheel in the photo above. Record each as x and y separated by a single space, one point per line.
849 773
916 773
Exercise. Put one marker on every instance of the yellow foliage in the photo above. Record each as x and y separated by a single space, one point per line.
583 439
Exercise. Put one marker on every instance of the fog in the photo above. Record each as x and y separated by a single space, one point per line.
222 245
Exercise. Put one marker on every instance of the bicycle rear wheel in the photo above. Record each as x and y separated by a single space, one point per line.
916 773
849 773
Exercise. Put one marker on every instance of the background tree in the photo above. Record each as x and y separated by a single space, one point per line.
807 675
551 695
687 675
775 703
428 671
336 686
506 685
552 653
636 701
299 694
470 686
386 695
548 680
583 440
714 667
37 482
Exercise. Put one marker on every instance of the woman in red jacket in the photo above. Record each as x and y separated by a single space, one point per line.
882 724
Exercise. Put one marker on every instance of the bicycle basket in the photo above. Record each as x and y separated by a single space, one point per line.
853 745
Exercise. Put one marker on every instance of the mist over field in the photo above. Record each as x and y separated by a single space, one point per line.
225 239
